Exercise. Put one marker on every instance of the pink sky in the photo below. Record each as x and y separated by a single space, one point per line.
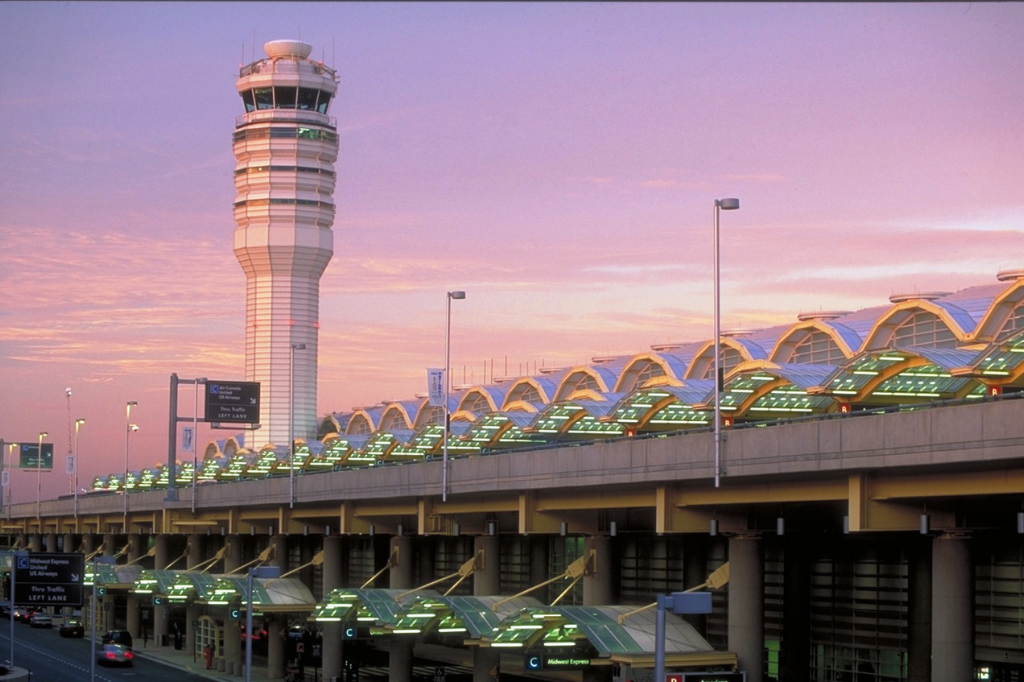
558 162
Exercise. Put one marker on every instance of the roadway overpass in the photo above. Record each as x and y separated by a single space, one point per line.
898 526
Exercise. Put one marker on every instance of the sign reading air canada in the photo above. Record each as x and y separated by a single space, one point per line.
233 402
49 579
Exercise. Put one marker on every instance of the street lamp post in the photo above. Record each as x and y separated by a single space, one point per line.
128 428
720 205
267 573
39 471
458 296
78 425
291 423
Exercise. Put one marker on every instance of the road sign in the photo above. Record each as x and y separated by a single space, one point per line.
233 402
55 579
29 456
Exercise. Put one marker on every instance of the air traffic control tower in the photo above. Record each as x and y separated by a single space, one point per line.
285 147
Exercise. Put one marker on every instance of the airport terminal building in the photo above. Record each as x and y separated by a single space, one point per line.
860 519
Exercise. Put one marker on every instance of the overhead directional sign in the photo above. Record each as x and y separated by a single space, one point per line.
234 402
49 579
29 456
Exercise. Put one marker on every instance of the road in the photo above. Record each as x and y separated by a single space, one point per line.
52 658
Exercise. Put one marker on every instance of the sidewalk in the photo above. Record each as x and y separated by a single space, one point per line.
183 660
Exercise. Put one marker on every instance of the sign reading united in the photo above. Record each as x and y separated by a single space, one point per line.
235 402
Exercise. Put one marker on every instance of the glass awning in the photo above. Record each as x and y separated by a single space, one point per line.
111 575
598 626
472 617
367 606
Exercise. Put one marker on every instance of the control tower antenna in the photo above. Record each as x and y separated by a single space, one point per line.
285 146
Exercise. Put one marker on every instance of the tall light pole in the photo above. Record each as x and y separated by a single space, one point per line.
458 296
78 425
39 471
720 205
128 428
291 422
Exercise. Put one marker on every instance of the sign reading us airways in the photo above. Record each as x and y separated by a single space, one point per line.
234 402
49 579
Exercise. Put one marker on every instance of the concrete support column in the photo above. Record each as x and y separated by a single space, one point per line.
233 655
400 575
160 613
332 632
400 659
279 557
192 614
597 587
233 557
695 572
486 664
275 649
133 613
69 542
196 551
794 656
35 542
88 543
539 562
487 577
746 604
952 609
51 542
919 608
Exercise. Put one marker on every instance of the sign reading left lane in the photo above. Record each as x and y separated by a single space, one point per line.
49 579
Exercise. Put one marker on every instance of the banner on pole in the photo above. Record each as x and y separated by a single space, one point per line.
435 387
188 443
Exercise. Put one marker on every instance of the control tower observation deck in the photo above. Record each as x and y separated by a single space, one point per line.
285 147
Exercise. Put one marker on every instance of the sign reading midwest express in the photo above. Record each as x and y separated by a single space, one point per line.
236 402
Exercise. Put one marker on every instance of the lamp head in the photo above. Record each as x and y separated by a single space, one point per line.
727 204
79 422
43 434
457 295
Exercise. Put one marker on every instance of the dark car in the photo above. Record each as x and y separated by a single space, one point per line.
23 614
115 654
72 628
121 637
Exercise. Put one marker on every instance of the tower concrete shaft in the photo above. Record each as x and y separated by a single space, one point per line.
285 147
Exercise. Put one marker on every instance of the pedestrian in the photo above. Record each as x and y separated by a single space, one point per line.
208 655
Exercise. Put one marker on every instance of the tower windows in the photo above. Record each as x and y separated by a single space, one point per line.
286 97
289 132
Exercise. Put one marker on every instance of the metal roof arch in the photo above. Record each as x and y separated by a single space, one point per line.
841 336
993 325
646 366
491 397
881 334
532 390
597 378
702 364
399 414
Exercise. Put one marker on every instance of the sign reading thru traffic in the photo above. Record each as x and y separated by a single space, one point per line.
53 579
235 402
